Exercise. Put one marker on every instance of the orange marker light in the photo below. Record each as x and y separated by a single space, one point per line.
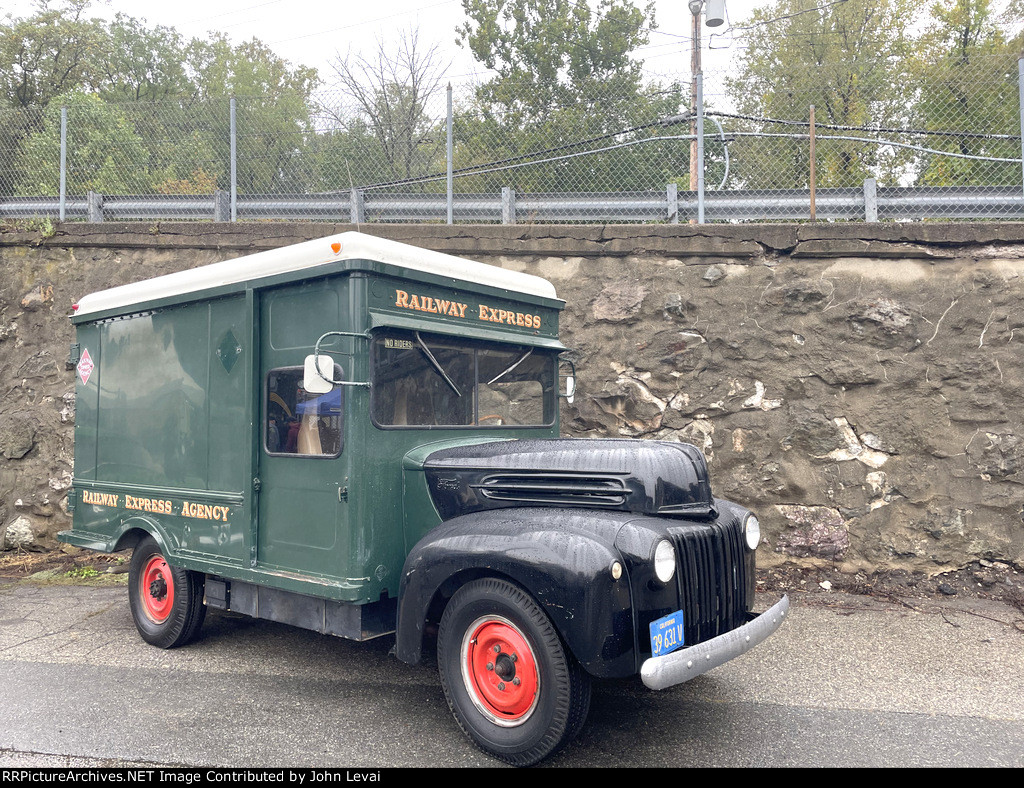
336 247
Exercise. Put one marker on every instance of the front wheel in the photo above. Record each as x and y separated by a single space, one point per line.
511 684
166 601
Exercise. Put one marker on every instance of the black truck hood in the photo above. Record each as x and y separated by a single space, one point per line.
642 476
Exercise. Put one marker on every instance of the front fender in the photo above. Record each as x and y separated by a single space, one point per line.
562 558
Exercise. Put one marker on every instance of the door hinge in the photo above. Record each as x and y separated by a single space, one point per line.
256 484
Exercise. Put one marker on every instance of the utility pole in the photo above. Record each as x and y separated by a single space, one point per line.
714 13
695 9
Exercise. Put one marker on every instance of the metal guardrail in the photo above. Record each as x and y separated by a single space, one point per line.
870 203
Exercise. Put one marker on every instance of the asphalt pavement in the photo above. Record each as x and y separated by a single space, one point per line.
847 681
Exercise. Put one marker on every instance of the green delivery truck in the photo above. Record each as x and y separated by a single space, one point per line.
361 437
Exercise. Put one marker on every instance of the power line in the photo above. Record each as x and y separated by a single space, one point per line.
871 129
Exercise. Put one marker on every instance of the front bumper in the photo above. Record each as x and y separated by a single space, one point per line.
679 666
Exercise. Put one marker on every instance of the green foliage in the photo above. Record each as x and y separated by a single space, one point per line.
567 82
142 63
567 106
166 112
273 103
851 61
554 54
105 154
51 53
966 68
82 573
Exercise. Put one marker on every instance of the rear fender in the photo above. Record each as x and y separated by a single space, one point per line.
562 558
134 529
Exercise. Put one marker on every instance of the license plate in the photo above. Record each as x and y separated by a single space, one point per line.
667 634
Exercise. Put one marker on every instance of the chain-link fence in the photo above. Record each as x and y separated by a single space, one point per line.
942 142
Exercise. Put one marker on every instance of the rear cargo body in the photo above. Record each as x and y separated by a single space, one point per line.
171 418
359 437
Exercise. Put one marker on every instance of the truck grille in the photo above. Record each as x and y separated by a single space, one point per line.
554 489
713 579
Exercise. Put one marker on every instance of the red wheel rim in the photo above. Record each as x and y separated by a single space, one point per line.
157 589
500 671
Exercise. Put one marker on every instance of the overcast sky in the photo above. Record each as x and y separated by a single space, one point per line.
312 32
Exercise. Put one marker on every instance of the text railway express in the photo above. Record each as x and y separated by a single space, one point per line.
440 306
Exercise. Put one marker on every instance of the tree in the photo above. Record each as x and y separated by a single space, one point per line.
143 63
967 72
273 112
568 82
104 153
397 94
554 54
54 51
850 60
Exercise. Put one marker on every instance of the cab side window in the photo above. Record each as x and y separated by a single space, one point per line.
298 423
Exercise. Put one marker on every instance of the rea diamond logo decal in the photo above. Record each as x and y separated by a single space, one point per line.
85 367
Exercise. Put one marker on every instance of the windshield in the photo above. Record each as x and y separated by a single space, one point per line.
428 380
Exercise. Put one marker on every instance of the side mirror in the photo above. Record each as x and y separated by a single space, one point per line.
570 381
317 374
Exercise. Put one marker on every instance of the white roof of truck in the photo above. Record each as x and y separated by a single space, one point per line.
309 255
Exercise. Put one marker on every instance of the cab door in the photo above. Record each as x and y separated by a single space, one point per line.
303 465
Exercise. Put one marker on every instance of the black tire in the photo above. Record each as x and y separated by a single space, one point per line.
166 601
493 633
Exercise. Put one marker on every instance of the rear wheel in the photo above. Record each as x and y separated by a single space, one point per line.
511 684
166 601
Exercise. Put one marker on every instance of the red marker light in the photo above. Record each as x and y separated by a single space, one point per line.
74 307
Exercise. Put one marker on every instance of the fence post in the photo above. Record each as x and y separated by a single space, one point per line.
700 147
870 200
448 155
221 205
672 198
814 206
95 203
1020 108
356 207
63 160
508 205
234 166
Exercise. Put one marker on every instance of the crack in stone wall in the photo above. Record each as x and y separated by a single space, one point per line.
856 385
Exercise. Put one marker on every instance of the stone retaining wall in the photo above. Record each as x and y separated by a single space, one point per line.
857 385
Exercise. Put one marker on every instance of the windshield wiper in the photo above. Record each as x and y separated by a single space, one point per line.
500 375
437 366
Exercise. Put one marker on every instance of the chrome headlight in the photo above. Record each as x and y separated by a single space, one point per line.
664 561
752 531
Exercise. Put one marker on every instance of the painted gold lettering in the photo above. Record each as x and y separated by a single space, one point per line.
414 302
402 299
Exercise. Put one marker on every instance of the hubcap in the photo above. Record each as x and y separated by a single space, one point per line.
500 671
157 589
